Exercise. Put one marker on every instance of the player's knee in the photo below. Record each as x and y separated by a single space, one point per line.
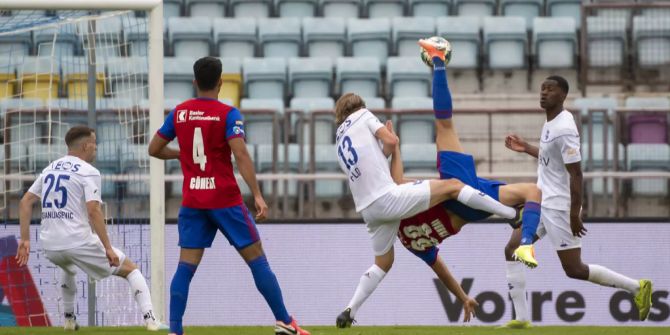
576 271
452 187
533 193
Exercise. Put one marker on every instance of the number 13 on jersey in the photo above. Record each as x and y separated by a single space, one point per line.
349 157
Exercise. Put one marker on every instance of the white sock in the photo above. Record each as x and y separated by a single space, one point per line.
68 288
603 276
478 200
368 284
140 290
516 278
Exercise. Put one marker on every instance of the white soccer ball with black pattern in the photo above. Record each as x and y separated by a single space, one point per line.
443 44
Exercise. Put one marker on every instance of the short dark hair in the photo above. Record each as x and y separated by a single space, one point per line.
207 71
77 132
562 83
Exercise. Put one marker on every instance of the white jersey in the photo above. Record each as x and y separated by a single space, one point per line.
362 159
559 145
64 187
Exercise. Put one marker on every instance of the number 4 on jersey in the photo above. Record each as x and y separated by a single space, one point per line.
199 156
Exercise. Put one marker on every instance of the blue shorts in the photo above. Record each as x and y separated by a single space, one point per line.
197 227
461 166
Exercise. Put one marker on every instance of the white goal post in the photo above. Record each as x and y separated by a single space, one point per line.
156 116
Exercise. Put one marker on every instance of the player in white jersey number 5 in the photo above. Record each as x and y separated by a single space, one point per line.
70 189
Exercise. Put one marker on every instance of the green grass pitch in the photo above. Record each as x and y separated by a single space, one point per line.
399 330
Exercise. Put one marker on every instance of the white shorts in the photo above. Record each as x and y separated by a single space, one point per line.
383 216
556 224
90 258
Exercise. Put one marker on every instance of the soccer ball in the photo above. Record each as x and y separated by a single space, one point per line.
443 45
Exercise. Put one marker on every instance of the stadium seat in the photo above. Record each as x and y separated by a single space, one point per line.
358 75
280 37
265 162
326 162
341 8
566 8
463 34
297 8
555 42
75 77
108 36
370 38
528 9
325 37
415 128
172 8
649 157
251 8
648 102
407 31
170 104
231 89
39 78
136 36
475 7
310 77
374 103
136 188
607 104
606 40
178 78
190 36
407 77
505 42
66 43
235 37
259 127
324 126
14 45
651 38
385 8
596 159
7 79
648 127
264 78
432 8
109 187
206 8
418 156
129 77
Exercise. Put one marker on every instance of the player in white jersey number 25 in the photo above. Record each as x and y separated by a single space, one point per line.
70 193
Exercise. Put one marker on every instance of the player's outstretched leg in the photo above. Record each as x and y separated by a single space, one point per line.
140 289
453 189
529 195
68 289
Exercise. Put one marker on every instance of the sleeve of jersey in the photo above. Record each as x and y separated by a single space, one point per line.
167 131
570 149
36 187
234 124
93 188
373 122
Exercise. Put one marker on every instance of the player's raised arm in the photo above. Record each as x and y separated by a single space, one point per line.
397 168
442 271
25 212
389 140
517 143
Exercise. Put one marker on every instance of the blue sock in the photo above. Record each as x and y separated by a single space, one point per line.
442 105
179 295
267 285
530 219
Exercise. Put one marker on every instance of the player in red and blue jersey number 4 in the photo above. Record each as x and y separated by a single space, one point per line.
208 131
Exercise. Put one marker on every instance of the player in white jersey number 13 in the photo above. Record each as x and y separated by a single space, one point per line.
70 193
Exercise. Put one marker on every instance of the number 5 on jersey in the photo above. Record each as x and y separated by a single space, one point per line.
199 156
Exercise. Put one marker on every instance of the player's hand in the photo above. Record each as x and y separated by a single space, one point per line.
469 307
261 208
516 143
577 226
112 257
23 253
389 126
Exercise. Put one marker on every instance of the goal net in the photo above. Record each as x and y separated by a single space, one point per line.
60 68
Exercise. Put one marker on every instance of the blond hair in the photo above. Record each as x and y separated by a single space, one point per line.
346 105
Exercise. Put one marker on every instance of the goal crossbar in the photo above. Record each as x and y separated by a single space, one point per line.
82 4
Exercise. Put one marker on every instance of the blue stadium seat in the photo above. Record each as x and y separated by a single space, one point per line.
235 37
463 34
108 36
432 8
251 8
324 126
206 8
651 38
417 128
358 75
649 157
280 37
172 8
607 106
190 36
264 78
178 78
407 31
65 45
606 40
385 8
325 159
310 77
297 8
136 35
555 42
475 7
370 38
505 42
14 45
258 127
129 77
418 157
374 103
566 8
341 8
325 37
407 77
528 9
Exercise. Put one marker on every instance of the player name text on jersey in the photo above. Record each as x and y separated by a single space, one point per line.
202 183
